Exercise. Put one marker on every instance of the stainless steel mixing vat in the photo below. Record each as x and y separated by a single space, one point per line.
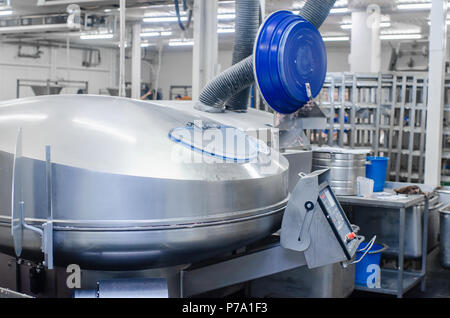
120 198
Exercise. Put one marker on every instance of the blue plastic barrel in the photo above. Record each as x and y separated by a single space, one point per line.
376 171
373 257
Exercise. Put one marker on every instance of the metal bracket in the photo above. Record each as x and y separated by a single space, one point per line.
46 234
299 214
18 207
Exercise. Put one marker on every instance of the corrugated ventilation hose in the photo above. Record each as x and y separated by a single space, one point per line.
240 76
246 28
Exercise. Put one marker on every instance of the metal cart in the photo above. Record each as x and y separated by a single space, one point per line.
396 282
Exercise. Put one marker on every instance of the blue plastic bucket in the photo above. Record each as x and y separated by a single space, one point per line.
376 171
373 257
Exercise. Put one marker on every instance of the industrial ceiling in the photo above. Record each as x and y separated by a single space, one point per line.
397 17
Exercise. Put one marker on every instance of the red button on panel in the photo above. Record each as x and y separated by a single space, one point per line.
351 236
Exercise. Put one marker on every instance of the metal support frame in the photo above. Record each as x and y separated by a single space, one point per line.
397 282
205 51
401 251
18 223
255 265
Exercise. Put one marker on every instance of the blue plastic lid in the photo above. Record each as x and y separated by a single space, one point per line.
289 52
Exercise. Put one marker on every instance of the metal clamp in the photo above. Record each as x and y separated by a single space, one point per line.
46 234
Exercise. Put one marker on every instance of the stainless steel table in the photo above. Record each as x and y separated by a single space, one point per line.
396 282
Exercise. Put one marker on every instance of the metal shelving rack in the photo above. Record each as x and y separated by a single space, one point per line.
446 137
385 112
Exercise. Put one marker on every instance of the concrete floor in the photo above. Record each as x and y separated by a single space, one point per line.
437 282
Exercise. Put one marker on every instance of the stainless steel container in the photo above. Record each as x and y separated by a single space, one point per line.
123 195
444 195
445 236
344 169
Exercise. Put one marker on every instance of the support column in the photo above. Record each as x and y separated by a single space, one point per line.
262 6
365 54
136 62
436 80
122 25
205 51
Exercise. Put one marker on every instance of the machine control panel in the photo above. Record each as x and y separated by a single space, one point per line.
337 219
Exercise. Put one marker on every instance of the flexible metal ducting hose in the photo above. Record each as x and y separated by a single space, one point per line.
240 76
246 28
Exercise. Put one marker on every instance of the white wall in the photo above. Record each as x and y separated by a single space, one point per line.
176 68
338 58
53 65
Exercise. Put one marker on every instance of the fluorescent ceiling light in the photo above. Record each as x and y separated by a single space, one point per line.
163 19
155 19
414 6
400 36
335 38
149 34
147 44
99 36
226 10
339 10
181 43
401 31
339 3
447 22
348 26
5 12
230 16
153 34
225 30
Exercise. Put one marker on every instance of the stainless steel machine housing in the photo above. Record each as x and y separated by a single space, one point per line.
119 198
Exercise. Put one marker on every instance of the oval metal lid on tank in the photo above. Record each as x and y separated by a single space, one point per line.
289 54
